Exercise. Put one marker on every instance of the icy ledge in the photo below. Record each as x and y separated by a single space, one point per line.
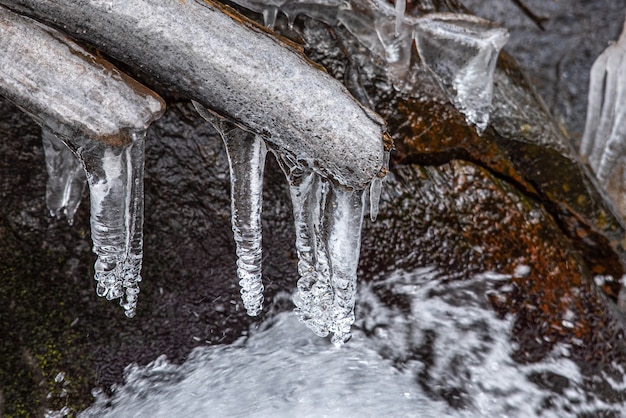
85 105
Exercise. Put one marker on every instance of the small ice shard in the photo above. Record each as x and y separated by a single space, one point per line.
462 51
400 8
66 177
376 189
604 139
361 26
101 115
397 40
246 159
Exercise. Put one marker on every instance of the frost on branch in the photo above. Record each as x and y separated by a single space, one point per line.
604 139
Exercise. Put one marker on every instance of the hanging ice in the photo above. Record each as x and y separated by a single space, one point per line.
66 177
246 159
377 185
396 36
461 51
604 139
328 219
101 115
344 217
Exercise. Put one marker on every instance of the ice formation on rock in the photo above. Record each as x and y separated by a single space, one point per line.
66 177
604 139
101 115
462 50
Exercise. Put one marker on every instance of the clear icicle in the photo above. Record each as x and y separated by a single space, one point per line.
400 8
246 157
315 294
397 40
462 51
376 187
344 218
115 177
604 139
66 177
269 16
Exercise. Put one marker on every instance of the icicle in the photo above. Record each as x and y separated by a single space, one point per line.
246 158
400 7
344 217
604 139
397 40
115 177
376 189
102 115
461 51
328 220
66 177
308 195
269 16
361 27
322 12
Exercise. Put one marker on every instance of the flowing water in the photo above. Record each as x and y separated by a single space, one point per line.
449 357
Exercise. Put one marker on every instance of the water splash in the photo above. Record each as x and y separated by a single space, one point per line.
398 364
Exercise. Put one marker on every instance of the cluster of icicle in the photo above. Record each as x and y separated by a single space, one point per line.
604 139
327 219
460 50
97 123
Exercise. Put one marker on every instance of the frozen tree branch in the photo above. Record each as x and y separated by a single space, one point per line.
235 68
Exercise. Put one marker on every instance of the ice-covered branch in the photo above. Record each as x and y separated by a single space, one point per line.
235 68
101 115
